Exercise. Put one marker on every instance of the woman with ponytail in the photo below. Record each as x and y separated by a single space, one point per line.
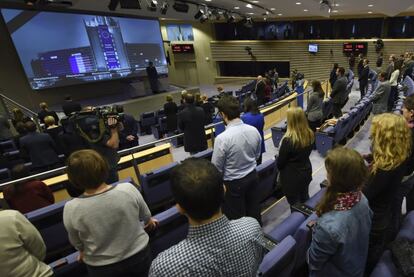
339 244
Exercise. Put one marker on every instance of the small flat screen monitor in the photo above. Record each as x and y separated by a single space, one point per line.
313 48
182 48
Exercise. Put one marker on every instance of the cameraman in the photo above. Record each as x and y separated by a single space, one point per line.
128 137
108 147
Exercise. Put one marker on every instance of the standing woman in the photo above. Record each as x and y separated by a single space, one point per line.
293 162
314 107
171 109
394 82
103 224
253 117
339 244
391 146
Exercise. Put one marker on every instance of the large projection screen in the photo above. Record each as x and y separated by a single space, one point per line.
60 49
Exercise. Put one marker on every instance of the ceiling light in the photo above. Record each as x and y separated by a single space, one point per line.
369 12
203 18
250 13
370 5
231 19
152 5
335 11
336 5
236 8
272 9
208 0
298 3
264 18
279 14
216 14
249 6
247 22
199 14
305 10
164 7
255 2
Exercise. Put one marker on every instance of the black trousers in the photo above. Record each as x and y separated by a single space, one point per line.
362 88
136 265
314 124
242 197
336 110
392 97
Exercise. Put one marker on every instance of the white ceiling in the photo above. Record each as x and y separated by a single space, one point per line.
280 8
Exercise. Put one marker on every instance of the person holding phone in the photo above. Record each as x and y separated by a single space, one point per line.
339 245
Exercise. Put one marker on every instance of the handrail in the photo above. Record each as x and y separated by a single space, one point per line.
132 150
18 105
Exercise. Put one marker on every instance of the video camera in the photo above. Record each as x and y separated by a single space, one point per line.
92 125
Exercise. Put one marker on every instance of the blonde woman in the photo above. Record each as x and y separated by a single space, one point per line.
293 162
391 146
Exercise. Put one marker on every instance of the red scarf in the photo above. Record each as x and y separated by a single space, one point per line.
345 201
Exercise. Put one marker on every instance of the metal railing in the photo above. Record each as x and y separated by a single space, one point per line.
136 149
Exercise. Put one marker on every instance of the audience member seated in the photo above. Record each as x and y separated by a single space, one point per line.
128 135
235 155
22 249
40 147
44 111
54 131
220 91
314 108
293 161
104 222
381 95
171 110
191 123
391 146
208 110
28 195
339 244
215 245
5 132
253 117
18 116
70 107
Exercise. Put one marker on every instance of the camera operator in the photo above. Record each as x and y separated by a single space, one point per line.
108 147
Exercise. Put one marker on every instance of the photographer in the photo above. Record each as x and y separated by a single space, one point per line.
128 135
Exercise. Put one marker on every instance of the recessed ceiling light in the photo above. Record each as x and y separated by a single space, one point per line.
279 14
249 6
250 13
255 2
298 3
264 18
237 8
272 9
208 0
369 12
336 5
370 5
305 10
335 11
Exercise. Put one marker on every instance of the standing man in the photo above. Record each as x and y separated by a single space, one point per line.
381 94
260 90
152 77
191 122
360 64
338 93
390 67
333 76
235 153
363 78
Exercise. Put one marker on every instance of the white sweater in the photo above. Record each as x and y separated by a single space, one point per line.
394 77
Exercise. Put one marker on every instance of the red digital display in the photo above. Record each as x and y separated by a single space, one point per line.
355 47
182 48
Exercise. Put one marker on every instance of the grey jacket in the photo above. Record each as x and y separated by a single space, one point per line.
380 98
338 93
314 108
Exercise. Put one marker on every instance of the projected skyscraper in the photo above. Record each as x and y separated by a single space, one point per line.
107 44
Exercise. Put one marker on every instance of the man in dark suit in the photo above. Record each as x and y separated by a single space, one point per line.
381 94
260 90
191 122
128 137
338 93
44 111
70 107
40 147
390 67
363 78
152 77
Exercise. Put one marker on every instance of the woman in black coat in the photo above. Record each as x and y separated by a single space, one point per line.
293 161
171 109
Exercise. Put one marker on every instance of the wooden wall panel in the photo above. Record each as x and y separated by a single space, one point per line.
314 66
